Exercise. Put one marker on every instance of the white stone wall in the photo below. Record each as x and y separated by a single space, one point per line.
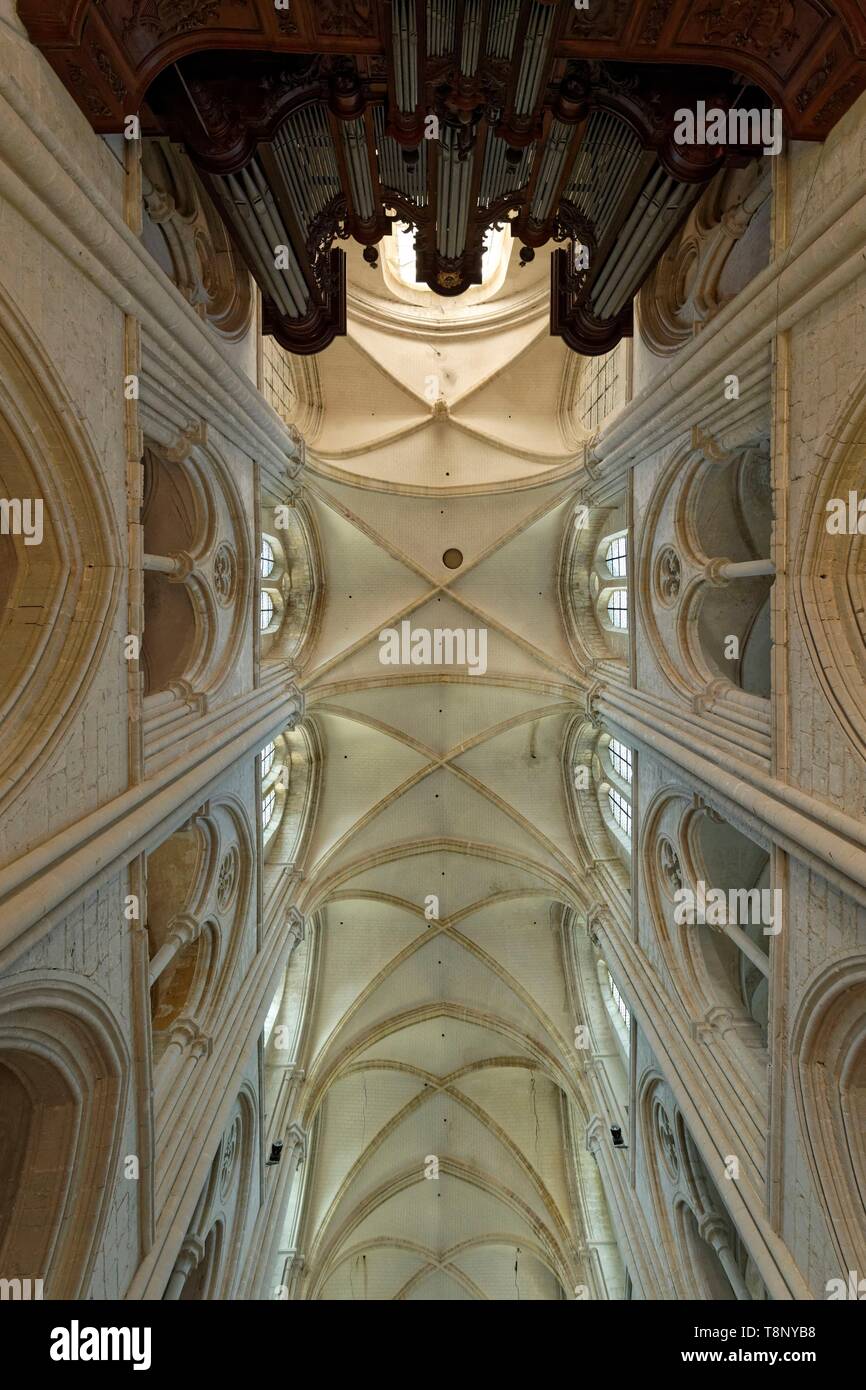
63 900
823 923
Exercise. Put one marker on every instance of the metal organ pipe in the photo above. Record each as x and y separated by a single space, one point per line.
305 153
555 152
355 143
653 229
605 163
273 223
440 27
405 46
284 287
680 197
534 55
471 37
394 172
497 176
627 237
455 177
502 29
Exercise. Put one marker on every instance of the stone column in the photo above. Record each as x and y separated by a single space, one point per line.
721 571
716 1233
190 1257
177 566
182 931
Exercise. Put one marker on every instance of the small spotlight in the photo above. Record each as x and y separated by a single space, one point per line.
616 1136
276 1152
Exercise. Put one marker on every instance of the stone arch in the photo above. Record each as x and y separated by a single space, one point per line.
210 1261
586 757
586 582
710 511
828 1044
200 1285
707 1258
198 574
661 865
724 240
176 507
64 1071
727 512
295 581
177 871
830 592
551 1246
175 627
73 576
199 883
181 990
707 1276
718 970
196 250
177 523
295 777
720 855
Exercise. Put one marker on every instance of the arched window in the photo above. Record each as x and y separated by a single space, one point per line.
619 1019
620 810
617 609
271 1016
620 757
287 576
598 557
266 558
273 571
616 556
267 755
275 761
621 1006
599 391
271 574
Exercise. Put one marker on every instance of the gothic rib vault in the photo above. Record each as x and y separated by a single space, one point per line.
446 1037
328 978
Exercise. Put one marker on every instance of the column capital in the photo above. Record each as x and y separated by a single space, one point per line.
296 927
179 449
297 715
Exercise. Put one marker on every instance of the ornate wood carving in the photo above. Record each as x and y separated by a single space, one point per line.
225 77
783 45
165 17
346 18
322 325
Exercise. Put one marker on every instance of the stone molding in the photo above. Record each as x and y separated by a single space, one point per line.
60 872
823 259
44 183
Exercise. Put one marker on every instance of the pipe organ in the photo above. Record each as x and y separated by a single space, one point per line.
320 122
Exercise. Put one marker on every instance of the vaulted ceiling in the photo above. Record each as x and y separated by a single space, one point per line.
443 1039
442 1089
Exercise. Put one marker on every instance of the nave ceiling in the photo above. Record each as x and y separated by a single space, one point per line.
448 1038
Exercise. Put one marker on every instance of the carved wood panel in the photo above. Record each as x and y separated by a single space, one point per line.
808 55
